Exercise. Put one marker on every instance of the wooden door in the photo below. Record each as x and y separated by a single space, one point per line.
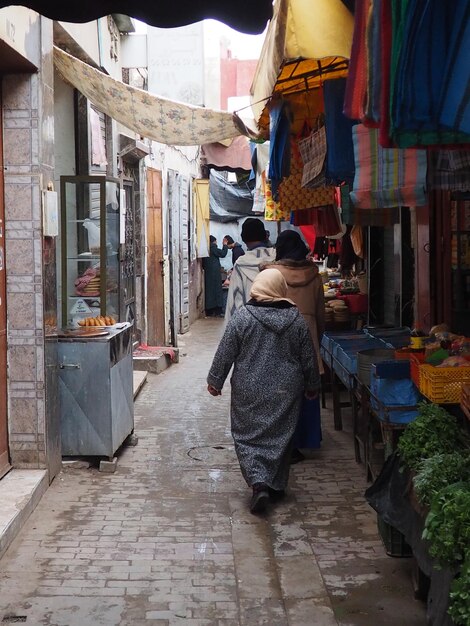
155 263
4 465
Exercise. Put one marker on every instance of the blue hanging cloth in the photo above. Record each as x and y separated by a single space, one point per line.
279 147
340 151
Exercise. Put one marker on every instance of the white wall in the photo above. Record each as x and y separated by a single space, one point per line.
134 50
86 35
176 63
19 28
95 40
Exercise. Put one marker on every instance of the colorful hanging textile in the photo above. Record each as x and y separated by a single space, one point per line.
373 69
340 151
295 197
309 235
386 177
385 70
421 63
313 152
151 116
455 98
279 145
449 170
324 219
275 211
453 159
356 86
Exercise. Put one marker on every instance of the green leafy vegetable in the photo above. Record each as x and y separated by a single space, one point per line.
459 608
447 526
438 472
433 432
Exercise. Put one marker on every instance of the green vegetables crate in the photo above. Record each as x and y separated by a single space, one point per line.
393 540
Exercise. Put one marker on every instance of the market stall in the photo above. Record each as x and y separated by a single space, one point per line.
94 344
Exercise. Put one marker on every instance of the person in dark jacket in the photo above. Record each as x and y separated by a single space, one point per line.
235 247
214 297
305 289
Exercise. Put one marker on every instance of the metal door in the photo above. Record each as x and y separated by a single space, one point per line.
184 254
178 187
4 464
127 283
174 259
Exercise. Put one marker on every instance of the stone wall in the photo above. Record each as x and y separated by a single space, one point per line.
28 158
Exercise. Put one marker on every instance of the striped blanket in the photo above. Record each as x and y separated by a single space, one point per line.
386 177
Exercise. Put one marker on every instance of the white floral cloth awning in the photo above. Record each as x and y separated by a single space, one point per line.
151 116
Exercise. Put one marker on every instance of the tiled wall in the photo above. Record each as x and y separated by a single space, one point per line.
27 146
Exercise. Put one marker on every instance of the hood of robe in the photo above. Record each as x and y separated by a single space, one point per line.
274 319
248 265
297 273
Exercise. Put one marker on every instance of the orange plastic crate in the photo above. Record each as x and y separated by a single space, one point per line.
443 385
465 400
416 359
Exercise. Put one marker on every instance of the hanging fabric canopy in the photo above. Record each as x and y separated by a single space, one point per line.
243 15
236 156
307 42
157 118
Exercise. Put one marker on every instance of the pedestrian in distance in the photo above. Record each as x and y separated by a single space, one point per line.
269 243
269 344
247 267
235 247
213 292
305 289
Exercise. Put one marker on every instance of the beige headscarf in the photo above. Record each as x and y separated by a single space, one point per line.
269 286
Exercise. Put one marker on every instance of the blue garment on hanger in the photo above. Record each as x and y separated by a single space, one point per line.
340 166
279 147
254 160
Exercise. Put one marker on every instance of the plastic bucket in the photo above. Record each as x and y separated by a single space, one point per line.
366 358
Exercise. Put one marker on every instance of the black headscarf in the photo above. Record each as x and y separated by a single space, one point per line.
289 245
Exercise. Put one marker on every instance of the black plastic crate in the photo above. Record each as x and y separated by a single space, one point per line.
393 540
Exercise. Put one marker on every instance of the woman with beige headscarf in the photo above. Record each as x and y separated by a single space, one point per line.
275 364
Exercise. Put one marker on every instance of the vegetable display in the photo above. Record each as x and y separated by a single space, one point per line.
433 432
437 450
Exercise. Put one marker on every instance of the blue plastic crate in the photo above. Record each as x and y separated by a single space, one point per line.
345 351
392 393
329 338
392 369
397 337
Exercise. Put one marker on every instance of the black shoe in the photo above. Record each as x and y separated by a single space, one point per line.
296 456
276 494
259 499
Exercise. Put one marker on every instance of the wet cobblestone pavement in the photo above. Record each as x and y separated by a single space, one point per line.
168 538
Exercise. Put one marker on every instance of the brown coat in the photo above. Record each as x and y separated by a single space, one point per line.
305 289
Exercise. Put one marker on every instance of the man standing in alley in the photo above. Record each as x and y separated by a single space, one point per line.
247 266
235 247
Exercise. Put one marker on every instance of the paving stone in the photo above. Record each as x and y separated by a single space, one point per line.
301 578
168 538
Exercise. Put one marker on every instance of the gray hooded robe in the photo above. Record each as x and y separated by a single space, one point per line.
274 363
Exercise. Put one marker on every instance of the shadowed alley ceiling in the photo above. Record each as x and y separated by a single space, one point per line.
247 16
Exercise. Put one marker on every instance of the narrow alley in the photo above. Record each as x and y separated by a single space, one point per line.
168 538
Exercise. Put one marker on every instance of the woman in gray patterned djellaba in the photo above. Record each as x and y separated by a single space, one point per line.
275 364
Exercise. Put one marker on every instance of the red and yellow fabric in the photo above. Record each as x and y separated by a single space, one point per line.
275 211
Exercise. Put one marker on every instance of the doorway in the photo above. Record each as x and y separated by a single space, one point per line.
4 459
155 260
178 221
